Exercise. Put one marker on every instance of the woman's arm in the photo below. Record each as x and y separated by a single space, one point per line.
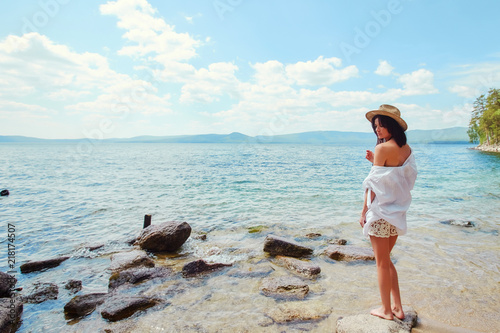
362 219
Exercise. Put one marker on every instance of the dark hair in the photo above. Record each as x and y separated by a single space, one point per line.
392 127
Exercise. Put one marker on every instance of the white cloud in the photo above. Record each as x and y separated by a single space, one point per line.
464 91
384 69
321 71
420 82
473 80
270 73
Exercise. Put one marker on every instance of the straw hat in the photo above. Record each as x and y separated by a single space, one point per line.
389 111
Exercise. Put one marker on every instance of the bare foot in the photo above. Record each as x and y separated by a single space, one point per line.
382 314
398 313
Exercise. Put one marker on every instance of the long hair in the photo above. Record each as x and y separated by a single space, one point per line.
392 127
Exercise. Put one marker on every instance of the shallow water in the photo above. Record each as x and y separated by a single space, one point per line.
64 198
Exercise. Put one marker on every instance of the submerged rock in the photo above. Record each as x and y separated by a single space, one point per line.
125 260
11 310
199 267
313 235
83 305
337 241
164 237
304 268
73 286
120 307
370 324
33 266
276 245
137 275
41 292
349 253
459 223
7 283
298 311
284 287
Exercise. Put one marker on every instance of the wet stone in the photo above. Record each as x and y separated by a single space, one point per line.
137 275
41 292
201 266
276 245
459 223
120 307
164 237
7 282
73 286
298 311
83 305
10 314
284 287
33 266
370 324
349 253
301 267
126 260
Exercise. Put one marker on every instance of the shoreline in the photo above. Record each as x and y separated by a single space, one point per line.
488 148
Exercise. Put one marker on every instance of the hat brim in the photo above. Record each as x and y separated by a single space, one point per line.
373 113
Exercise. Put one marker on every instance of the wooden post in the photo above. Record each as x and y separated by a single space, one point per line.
147 221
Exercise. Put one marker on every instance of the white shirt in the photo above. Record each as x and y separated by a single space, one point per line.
392 186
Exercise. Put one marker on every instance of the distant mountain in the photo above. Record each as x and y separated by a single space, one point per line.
448 135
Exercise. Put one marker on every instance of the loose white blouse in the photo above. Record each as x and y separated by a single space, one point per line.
392 186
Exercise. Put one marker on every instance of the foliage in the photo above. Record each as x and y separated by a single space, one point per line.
484 125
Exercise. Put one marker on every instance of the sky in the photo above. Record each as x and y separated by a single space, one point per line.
112 69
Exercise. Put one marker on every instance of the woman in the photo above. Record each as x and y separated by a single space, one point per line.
387 198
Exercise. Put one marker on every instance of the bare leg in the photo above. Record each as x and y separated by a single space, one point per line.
382 249
397 307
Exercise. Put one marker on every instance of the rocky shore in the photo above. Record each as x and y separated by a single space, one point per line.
135 276
488 148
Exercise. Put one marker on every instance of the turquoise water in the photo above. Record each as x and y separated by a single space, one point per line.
66 197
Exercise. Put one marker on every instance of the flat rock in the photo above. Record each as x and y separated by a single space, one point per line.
250 272
201 266
164 237
7 283
126 260
83 305
276 245
284 287
298 311
41 292
301 267
349 253
11 310
137 275
120 307
33 266
337 241
370 324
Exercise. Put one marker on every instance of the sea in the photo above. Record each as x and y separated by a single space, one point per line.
65 198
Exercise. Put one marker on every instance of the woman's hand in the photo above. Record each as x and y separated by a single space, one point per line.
369 156
362 220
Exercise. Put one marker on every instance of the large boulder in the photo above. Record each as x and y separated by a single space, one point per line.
7 283
284 287
276 245
164 237
301 267
137 275
366 323
11 310
125 260
120 307
200 266
83 305
349 253
41 292
33 266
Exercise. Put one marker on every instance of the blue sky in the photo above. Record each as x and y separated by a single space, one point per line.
123 68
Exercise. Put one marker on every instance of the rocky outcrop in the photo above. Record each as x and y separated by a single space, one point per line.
284 287
11 310
298 311
136 275
164 237
370 324
119 307
198 267
301 267
73 286
488 148
83 305
349 253
33 266
41 292
276 245
125 260
7 283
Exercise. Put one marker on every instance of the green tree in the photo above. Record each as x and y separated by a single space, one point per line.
484 125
